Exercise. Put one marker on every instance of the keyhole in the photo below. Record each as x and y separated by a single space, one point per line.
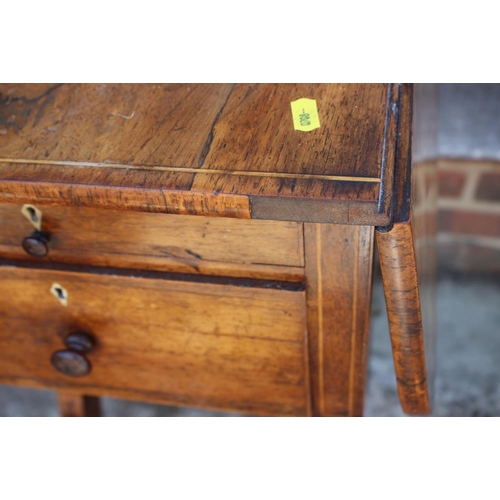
33 215
59 293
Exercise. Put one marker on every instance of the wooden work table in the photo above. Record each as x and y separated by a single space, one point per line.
212 243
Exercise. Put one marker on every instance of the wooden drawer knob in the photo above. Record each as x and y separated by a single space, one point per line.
36 244
79 342
72 361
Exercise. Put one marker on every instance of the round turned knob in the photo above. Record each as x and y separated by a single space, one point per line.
71 361
79 342
36 244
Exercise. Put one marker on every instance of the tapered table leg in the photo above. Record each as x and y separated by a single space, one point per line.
401 288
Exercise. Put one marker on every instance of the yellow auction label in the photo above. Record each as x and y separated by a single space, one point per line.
305 114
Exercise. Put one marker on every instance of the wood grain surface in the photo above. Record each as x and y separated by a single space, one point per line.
181 343
187 244
110 123
300 163
338 267
209 149
144 191
402 296
401 195
120 171
407 252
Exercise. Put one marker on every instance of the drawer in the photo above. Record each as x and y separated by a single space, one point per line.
186 244
189 343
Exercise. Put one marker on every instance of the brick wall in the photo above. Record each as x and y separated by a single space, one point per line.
469 215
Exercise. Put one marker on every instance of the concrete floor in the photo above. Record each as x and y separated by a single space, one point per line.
467 351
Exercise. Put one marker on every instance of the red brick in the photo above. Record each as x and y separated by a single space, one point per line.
489 187
430 181
451 183
470 223
425 223
451 256
482 259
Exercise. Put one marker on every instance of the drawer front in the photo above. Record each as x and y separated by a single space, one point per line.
187 244
176 342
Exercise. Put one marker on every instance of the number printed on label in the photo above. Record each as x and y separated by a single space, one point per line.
305 114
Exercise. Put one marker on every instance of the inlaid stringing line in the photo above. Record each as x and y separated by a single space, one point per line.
207 171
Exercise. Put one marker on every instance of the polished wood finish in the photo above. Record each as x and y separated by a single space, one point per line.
407 258
147 194
269 143
399 274
75 405
300 167
201 149
25 183
197 245
110 123
187 343
338 266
